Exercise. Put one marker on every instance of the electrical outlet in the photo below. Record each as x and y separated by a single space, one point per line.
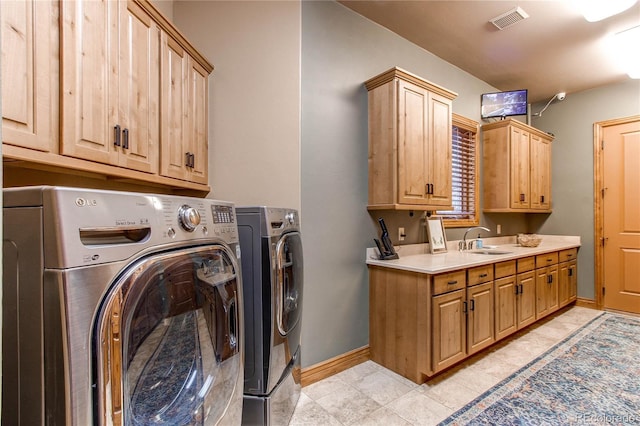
401 234
498 229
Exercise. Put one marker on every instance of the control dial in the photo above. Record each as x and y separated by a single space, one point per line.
188 217
291 218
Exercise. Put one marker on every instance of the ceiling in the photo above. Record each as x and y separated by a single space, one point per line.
554 50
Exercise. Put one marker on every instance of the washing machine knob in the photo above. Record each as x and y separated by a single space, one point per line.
188 217
291 218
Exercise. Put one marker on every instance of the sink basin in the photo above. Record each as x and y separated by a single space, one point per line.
490 251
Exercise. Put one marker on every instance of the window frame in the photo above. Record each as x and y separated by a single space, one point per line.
472 126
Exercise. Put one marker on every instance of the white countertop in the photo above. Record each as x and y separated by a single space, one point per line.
416 257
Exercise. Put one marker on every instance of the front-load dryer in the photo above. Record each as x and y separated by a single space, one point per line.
120 309
272 287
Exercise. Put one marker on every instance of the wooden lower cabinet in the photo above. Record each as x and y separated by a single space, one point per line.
449 329
480 317
421 324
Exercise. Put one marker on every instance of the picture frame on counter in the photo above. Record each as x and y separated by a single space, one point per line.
436 234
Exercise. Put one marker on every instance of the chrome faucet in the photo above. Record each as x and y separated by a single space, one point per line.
462 245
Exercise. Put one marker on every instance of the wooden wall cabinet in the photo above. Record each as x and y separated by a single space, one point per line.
110 84
409 142
184 146
30 74
516 168
125 110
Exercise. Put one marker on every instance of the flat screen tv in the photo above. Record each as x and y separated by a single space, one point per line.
504 104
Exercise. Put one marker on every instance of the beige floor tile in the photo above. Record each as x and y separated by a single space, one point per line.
419 409
328 386
309 412
382 388
382 417
348 406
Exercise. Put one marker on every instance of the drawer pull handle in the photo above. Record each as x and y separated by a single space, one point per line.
452 282
484 275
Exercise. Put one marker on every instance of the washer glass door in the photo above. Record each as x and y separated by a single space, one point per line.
289 281
166 340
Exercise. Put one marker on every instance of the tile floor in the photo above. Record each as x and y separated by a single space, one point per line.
369 394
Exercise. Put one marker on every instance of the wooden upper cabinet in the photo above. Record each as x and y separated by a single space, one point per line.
30 74
110 84
184 135
409 142
517 168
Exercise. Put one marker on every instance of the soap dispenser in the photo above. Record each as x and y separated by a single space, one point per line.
478 242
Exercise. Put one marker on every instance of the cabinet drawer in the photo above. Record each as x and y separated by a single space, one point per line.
444 283
480 274
526 264
569 254
546 259
504 269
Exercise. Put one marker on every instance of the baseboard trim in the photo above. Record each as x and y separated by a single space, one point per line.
586 303
335 365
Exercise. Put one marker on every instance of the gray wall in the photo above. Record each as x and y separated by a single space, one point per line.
341 50
571 121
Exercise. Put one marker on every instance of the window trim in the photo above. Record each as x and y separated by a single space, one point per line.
471 126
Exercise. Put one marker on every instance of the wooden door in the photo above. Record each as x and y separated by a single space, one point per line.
505 316
449 329
520 170
440 155
526 300
621 210
413 153
139 89
30 74
90 80
540 178
480 318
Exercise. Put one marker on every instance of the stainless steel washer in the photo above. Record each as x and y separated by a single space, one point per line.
272 273
120 308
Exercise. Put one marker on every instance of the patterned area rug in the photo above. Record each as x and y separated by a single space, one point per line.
592 377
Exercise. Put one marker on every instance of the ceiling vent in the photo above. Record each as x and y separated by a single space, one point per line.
508 19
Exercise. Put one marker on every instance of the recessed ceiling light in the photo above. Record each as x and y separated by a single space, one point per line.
597 10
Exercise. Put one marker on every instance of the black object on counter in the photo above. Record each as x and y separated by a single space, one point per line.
387 252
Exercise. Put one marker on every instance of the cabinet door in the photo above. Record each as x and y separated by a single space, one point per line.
540 151
567 282
480 324
526 300
573 280
505 317
449 329
139 89
546 291
90 80
439 155
197 130
413 149
519 141
30 74
174 84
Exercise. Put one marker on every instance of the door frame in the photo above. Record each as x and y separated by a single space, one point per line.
598 195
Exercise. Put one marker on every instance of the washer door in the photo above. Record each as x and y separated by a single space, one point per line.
166 340
289 282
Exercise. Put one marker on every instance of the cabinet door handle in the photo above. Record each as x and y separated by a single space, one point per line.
189 159
429 188
116 138
464 307
522 197
570 272
453 282
193 160
517 287
473 304
542 198
521 289
125 138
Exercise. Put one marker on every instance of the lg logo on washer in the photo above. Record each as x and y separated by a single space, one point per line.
85 202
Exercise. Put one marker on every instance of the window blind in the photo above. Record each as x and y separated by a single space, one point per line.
464 176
